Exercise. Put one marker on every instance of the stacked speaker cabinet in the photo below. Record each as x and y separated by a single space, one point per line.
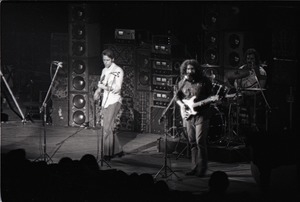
84 53
212 38
165 71
143 78
233 49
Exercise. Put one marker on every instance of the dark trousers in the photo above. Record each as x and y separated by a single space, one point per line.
197 135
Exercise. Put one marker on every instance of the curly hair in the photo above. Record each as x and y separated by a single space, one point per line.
192 62
251 51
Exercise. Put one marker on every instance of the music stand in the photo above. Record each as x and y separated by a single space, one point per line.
43 109
165 167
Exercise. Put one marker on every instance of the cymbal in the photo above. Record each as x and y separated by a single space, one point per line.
236 74
208 65
253 89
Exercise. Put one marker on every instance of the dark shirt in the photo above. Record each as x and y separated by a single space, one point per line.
201 88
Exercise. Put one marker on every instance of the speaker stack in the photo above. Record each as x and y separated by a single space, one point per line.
84 56
165 72
143 79
212 40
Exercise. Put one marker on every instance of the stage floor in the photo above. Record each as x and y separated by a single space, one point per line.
142 155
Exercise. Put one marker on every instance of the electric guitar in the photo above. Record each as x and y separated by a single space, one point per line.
190 105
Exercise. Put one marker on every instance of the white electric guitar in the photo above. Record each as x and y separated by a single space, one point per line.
190 105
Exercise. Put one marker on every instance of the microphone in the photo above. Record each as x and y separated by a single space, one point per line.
58 63
186 77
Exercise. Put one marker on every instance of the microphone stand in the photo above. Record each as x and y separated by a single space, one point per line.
265 100
13 97
43 108
165 167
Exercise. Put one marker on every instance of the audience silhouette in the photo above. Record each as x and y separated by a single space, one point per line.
84 181
76 180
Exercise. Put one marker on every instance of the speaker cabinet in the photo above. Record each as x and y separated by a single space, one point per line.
84 52
142 111
79 109
157 122
60 111
233 49
143 70
212 47
156 127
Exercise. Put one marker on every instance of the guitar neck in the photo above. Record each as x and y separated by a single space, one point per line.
203 102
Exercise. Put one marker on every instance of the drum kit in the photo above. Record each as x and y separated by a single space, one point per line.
229 115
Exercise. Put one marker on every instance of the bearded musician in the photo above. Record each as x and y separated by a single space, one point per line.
195 93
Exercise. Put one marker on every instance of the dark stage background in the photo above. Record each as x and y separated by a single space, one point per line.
157 37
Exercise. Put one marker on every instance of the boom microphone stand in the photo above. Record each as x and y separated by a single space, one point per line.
165 167
265 99
44 156
13 97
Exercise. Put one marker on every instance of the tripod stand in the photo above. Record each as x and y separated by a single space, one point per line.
43 109
178 131
231 132
165 167
183 133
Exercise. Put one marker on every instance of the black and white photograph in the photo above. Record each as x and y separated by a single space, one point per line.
149 101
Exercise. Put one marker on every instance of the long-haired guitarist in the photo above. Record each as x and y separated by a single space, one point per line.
109 91
195 93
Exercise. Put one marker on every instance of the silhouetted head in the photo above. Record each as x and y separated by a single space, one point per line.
218 182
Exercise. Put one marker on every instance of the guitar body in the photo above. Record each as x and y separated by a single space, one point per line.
189 109
190 105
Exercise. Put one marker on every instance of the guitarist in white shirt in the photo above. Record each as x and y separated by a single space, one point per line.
195 93
109 92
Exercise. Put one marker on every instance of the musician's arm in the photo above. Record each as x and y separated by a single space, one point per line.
206 101
116 88
100 85
97 94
